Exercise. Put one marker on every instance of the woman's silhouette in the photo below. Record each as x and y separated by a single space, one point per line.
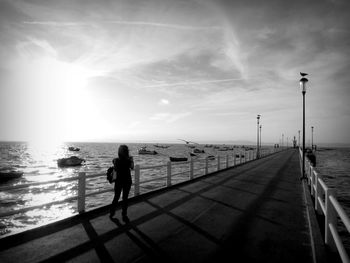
123 164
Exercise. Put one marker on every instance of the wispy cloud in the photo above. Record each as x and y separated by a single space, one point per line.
169 117
33 44
122 22
189 83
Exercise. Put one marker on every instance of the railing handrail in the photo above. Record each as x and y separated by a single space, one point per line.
19 186
342 214
331 209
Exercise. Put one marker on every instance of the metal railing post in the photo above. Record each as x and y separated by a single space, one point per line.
218 162
168 174
317 194
206 165
137 180
310 174
191 168
81 192
312 180
330 218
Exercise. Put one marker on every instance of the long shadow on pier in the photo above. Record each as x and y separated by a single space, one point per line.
251 213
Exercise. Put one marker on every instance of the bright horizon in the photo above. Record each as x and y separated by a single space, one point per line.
132 71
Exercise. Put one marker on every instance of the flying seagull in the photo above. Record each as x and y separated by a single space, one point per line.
303 74
187 142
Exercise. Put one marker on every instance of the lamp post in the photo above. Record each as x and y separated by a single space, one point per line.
303 82
257 140
282 140
299 139
312 138
260 136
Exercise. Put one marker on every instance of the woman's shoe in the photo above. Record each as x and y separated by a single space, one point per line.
126 219
111 213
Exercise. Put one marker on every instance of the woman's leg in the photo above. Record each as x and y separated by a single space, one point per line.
117 191
126 190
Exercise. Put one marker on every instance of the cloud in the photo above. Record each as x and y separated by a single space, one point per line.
163 102
191 83
121 22
169 117
35 46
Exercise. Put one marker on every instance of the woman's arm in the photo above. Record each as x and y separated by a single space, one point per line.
131 163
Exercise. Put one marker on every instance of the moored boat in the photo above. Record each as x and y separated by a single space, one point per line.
9 175
178 159
73 149
211 157
143 150
70 161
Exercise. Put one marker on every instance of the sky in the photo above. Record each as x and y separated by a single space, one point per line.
160 70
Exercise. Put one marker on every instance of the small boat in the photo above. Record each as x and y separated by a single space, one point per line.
211 157
193 154
198 151
71 161
9 175
143 150
224 149
178 159
73 149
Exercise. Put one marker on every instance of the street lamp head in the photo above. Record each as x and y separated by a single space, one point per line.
303 82
258 117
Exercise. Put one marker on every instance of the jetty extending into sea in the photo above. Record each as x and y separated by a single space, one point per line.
257 211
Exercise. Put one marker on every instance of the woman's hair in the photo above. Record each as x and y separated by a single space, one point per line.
123 152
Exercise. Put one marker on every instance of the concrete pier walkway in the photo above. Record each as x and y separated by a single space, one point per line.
256 212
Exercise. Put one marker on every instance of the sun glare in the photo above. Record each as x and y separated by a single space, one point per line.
54 92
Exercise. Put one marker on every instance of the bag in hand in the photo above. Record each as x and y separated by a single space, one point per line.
111 174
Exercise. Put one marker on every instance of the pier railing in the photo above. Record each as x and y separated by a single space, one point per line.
163 175
326 204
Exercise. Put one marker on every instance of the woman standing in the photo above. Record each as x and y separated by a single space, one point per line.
123 164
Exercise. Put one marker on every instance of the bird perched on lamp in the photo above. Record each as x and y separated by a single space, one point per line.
303 74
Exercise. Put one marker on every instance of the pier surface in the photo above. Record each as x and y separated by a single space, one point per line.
256 212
